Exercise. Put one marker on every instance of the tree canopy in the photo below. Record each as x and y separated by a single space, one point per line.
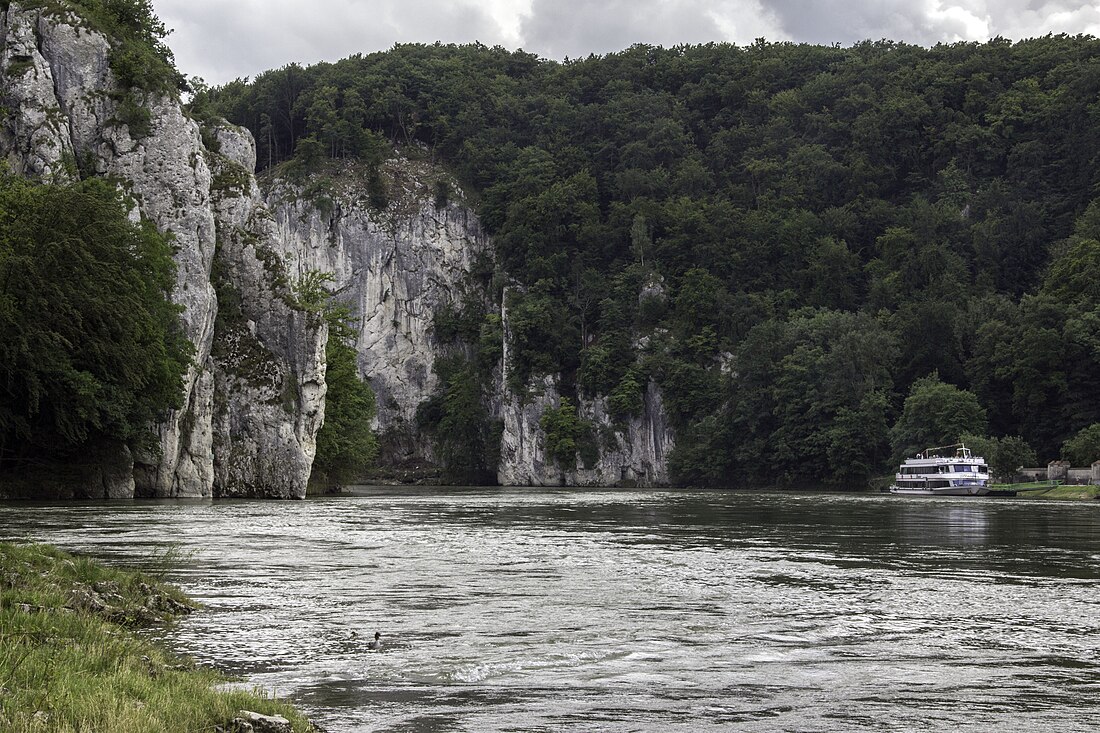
90 345
752 226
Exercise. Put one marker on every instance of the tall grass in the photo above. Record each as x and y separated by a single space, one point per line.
71 663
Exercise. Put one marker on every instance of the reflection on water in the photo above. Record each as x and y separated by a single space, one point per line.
944 525
565 610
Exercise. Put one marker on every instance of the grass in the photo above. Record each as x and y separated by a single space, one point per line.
71 662
1051 490
1060 492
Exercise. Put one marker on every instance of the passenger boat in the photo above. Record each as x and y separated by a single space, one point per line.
949 470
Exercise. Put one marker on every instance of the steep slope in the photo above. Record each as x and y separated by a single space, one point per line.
66 119
401 266
395 267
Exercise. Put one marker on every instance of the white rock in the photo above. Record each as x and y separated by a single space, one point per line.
57 76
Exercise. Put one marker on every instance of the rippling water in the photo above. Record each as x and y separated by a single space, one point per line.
536 610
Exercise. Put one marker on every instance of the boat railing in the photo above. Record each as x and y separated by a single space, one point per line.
961 451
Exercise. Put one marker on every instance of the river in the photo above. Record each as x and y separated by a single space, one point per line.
574 610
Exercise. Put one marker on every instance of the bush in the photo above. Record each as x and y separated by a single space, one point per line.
567 434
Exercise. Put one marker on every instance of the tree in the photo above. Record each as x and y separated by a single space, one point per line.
1005 456
935 414
346 443
566 434
90 346
884 180
1083 449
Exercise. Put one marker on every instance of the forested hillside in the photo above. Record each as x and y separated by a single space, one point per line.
799 244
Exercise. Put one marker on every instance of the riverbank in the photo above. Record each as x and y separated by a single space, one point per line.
1046 490
71 660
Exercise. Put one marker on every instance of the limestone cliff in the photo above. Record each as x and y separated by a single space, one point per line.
394 266
268 354
63 119
254 398
397 267
633 452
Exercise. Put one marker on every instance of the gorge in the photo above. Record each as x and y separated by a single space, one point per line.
254 396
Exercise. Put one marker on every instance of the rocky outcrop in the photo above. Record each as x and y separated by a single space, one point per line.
56 76
254 398
268 353
631 452
395 267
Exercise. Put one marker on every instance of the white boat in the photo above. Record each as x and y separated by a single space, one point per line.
949 470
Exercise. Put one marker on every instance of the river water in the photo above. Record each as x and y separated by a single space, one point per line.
570 610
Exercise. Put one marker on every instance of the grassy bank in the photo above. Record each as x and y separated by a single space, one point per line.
71 662
1046 491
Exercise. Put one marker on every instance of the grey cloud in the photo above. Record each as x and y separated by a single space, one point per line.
221 41
843 21
931 22
576 28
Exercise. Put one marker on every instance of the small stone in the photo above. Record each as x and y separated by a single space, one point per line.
264 723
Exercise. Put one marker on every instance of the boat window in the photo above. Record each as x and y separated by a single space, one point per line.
983 469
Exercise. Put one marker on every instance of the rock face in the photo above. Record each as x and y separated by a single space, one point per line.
395 268
268 353
631 453
56 74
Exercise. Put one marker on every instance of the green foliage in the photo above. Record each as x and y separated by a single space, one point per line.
1083 449
1003 455
139 56
346 443
626 399
676 211
935 414
441 193
377 194
312 294
537 320
90 346
567 435
810 402
467 441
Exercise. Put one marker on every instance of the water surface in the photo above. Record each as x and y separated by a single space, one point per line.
544 610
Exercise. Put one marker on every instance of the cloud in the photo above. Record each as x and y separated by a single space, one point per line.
576 28
221 40
927 22
1028 19
922 22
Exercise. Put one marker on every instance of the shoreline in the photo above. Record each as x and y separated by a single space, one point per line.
71 657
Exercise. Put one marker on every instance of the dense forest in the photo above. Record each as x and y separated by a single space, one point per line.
793 241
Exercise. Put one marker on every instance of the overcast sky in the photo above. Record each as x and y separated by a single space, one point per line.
221 40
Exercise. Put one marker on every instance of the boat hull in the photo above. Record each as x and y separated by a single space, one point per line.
944 491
